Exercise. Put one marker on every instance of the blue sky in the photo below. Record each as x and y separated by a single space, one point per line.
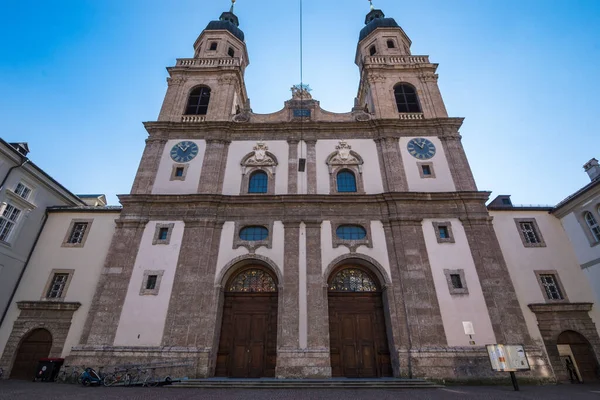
78 77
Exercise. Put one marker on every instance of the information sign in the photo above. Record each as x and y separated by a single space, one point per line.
508 358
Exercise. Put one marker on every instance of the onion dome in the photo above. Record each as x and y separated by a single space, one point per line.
376 19
229 22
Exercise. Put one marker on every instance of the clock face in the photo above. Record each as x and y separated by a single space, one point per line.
184 151
421 148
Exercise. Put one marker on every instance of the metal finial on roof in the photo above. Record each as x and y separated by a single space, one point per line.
372 7
232 4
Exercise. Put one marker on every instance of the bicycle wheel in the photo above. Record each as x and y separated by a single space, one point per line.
109 380
74 377
150 381
127 380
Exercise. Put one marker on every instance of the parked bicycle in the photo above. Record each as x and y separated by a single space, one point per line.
69 376
118 377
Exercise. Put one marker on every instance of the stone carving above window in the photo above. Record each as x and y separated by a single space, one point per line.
260 157
344 158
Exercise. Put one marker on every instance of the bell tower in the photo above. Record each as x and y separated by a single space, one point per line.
389 72
210 86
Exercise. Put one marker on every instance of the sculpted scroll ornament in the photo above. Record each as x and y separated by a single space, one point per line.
344 156
259 158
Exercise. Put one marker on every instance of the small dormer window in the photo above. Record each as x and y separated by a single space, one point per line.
390 44
231 52
372 50
213 46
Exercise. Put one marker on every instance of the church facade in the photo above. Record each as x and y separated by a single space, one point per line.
311 244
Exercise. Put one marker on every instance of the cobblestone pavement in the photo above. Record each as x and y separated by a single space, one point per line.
14 390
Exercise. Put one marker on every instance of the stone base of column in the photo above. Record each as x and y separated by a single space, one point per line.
176 362
471 365
303 364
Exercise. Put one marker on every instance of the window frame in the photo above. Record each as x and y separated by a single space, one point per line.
344 158
50 281
198 105
448 225
421 165
14 223
453 290
372 50
213 46
557 282
252 245
594 229
25 186
159 276
536 229
74 221
352 245
348 172
174 176
156 240
392 41
245 185
406 103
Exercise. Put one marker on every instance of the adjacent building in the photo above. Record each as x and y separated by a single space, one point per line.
25 193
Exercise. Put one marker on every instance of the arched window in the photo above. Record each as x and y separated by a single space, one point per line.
346 182
254 233
352 280
258 183
372 50
351 232
252 281
198 101
390 44
593 225
406 99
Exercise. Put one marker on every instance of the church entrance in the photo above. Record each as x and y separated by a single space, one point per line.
584 358
35 346
358 339
248 342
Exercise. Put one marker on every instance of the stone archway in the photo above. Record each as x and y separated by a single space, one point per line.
248 335
571 343
36 345
357 324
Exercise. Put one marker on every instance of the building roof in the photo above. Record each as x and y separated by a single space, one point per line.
85 209
38 169
578 193
229 22
376 19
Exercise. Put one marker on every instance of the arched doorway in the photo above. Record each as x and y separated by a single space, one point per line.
36 345
248 341
358 339
585 359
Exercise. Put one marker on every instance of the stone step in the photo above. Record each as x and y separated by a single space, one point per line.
306 384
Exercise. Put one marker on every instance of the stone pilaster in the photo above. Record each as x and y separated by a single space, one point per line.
311 166
424 318
191 320
391 166
148 168
107 304
293 167
459 165
499 293
213 167
172 98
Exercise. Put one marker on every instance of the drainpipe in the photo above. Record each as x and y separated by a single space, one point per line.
12 296
11 169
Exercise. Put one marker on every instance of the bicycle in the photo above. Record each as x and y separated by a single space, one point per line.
117 377
151 380
65 376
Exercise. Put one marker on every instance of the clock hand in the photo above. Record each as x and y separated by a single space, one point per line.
180 147
421 145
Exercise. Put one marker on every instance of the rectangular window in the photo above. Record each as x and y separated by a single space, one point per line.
57 287
443 232
426 169
550 284
151 282
179 172
529 233
8 220
23 191
456 281
163 234
77 233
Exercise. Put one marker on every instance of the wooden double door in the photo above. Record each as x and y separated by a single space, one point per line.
359 346
35 346
248 343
